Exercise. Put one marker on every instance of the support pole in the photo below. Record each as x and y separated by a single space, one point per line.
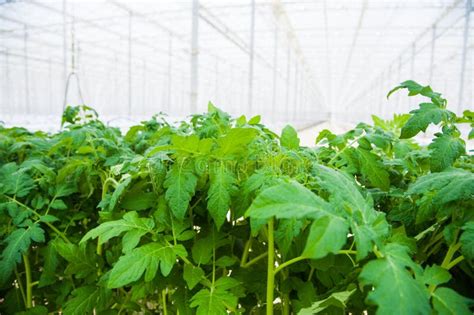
129 63
275 66
432 54
194 56
7 84
295 93
170 67
288 64
251 56
64 47
469 8
26 69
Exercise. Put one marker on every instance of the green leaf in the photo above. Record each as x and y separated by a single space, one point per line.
449 185
118 192
428 113
138 201
81 259
287 230
15 181
289 138
445 149
222 186
448 302
51 262
58 204
467 240
88 300
288 200
234 142
255 120
395 290
180 186
192 275
435 275
17 243
373 169
144 259
216 301
134 226
328 234
337 300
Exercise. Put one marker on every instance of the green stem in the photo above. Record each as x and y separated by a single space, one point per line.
52 227
255 260
344 149
20 285
245 254
163 298
271 265
289 262
449 255
455 262
29 295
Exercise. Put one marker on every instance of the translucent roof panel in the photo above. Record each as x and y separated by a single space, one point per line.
299 62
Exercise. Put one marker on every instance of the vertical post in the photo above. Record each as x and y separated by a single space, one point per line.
64 46
194 55
216 80
432 54
7 83
170 65
129 63
295 92
469 9
275 66
144 89
252 46
50 85
25 64
288 63
399 99
412 68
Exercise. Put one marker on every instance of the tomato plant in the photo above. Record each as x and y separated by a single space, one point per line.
218 215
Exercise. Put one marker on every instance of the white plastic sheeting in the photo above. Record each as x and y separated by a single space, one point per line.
310 60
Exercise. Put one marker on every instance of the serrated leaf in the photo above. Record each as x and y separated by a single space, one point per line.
222 186
144 260
192 275
337 300
289 138
327 235
467 240
118 192
445 149
180 186
421 118
58 204
448 302
234 142
288 200
287 230
395 291
81 260
17 243
449 185
435 275
133 226
216 301
15 180
87 300
373 170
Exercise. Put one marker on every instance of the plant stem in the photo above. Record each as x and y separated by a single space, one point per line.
255 260
52 227
289 262
270 267
245 254
29 295
449 255
455 262
20 285
163 297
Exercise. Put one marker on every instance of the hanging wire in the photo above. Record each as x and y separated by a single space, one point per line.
73 72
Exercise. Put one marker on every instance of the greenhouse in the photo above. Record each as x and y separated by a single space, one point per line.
236 157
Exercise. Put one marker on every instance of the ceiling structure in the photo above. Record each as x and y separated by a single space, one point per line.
291 61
